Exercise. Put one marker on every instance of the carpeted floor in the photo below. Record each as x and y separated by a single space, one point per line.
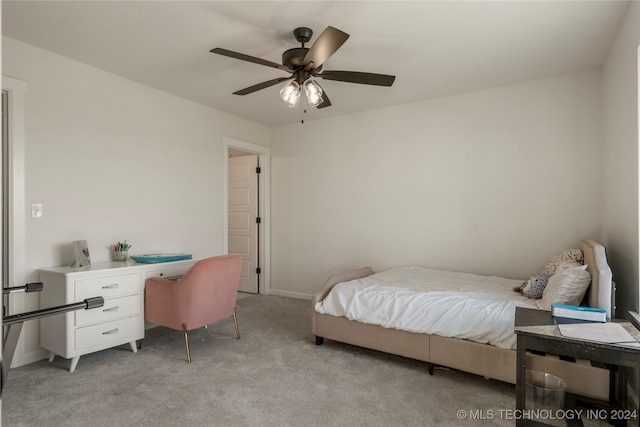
274 375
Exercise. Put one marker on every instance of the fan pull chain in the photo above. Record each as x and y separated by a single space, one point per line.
303 110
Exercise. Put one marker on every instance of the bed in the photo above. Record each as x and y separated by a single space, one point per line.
495 358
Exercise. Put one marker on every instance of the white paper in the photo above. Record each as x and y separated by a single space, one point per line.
611 333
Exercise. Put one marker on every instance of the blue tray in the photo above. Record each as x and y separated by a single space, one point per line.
153 258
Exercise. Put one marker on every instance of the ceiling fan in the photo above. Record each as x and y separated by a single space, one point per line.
304 64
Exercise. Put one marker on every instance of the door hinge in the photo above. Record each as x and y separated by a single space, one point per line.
258 220
258 169
258 271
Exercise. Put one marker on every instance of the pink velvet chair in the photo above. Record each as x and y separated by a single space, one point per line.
205 294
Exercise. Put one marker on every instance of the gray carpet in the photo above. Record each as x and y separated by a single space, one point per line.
274 375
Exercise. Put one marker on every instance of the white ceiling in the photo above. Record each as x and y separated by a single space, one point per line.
435 48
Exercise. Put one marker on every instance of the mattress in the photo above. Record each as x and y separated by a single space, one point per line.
423 300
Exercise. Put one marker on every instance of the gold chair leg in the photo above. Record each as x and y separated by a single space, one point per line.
186 341
235 322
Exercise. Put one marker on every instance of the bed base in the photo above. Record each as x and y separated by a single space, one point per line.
482 359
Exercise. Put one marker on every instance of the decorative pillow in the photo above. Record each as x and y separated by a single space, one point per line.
566 255
567 286
534 287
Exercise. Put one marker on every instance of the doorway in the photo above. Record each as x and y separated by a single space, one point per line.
12 180
4 179
246 204
12 251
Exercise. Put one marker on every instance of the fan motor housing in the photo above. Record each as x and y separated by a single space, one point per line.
293 57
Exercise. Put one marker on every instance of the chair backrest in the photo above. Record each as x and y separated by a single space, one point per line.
207 292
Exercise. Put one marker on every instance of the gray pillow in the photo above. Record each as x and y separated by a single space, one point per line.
534 287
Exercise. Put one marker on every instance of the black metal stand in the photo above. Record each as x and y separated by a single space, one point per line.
13 323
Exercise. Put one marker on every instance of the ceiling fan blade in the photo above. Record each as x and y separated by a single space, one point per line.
358 77
325 101
327 43
243 57
262 85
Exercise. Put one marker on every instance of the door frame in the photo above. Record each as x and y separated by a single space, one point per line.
16 90
264 205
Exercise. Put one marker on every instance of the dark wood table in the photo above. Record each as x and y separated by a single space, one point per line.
537 331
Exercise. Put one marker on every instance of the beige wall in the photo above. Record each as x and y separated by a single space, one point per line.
621 172
620 156
111 159
491 182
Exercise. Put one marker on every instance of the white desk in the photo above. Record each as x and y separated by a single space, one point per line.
119 321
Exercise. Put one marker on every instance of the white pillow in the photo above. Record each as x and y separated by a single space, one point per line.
567 286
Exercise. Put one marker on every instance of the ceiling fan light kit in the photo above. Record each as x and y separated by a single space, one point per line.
305 63
313 91
290 94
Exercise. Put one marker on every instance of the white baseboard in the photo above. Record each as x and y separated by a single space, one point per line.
289 294
28 358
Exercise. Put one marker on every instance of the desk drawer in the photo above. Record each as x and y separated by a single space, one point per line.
169 272
113 308
107 287
107 334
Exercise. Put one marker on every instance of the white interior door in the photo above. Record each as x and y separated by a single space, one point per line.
243 213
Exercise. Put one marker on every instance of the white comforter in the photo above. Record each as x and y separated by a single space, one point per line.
424 300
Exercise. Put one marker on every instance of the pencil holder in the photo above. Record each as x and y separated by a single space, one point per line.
120 255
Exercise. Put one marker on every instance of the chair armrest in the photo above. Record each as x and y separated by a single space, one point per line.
162 302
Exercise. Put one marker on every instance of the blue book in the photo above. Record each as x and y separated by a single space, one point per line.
154 258
579 312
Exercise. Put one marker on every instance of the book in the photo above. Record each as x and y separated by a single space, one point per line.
153 258
579 312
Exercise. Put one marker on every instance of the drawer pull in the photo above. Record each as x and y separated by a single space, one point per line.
116 308
113 331
114 286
